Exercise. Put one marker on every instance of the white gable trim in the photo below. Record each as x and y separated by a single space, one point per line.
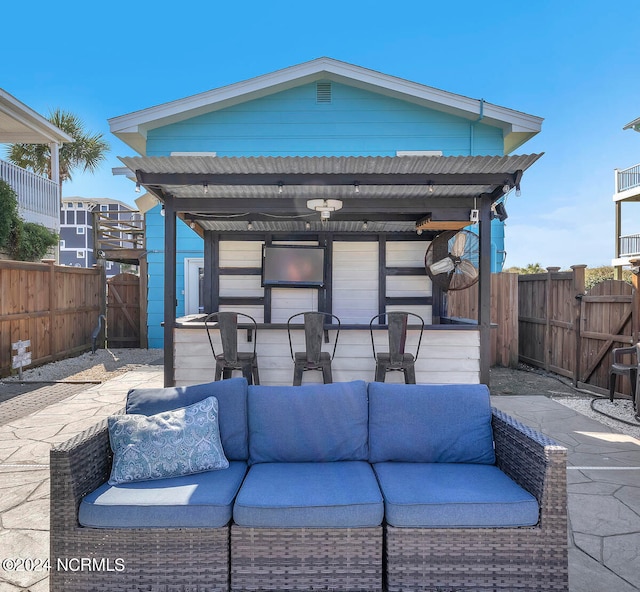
131 128
19 123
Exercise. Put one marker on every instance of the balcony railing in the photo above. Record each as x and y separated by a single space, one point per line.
628 178
119 235
629 245
38 197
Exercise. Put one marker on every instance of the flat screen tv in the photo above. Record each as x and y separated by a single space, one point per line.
292 266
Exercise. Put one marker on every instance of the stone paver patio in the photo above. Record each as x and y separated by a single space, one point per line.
24 469
603 481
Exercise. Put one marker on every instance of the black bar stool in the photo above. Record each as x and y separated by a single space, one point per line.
313 358
231 359
396 358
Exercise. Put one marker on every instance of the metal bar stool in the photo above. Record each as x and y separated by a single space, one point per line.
231 359
396 359
313 358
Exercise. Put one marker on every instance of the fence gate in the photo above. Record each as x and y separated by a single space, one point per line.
606 317
548 312
123 311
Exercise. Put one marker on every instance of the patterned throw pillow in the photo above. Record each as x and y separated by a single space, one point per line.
169 444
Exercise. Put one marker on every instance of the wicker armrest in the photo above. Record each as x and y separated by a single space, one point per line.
78 466
535 462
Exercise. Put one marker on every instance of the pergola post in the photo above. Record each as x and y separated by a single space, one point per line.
170 236
484 291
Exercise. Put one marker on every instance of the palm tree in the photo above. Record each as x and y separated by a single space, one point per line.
87 151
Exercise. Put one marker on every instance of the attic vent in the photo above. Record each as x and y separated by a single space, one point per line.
323 92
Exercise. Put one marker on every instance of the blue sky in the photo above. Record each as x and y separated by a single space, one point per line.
576 64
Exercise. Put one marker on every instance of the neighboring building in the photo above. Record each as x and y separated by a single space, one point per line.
627 190
316 109
38 197
77 232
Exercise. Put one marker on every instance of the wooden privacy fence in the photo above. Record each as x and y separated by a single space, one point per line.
571 332
55 307
504 315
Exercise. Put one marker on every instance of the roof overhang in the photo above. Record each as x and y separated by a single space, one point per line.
517 127
634 125
388 193
20 124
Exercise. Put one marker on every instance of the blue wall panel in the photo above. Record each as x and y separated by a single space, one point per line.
293 123
189 244
355 123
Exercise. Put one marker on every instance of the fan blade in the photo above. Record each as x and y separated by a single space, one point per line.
468 269
459 242
445 265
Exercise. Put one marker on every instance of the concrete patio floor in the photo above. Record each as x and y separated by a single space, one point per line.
603 481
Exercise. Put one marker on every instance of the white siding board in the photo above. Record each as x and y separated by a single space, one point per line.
445 356
256 311
286 302
355 281
424 311
409 254
412 285
240 254
406 253
241 286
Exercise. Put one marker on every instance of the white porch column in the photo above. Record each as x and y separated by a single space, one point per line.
54 149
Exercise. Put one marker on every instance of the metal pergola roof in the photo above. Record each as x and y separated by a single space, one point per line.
391 193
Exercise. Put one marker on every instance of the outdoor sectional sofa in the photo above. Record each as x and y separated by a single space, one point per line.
345 486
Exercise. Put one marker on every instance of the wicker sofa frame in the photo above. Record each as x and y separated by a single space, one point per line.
217 559
491 559
154 559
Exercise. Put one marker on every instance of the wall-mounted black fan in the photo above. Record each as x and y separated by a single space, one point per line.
451 260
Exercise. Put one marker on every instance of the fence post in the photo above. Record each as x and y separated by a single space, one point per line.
548 314
52 304
578 292
635 305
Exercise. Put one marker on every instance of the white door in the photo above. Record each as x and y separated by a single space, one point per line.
193 286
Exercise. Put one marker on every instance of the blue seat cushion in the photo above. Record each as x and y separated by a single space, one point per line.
443 495
330 495
232 408
309 423
202 500
430 423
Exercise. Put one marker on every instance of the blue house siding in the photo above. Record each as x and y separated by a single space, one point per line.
355 123
293 123
189 244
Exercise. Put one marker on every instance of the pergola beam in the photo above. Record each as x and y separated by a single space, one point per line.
353 214
278 180
221 205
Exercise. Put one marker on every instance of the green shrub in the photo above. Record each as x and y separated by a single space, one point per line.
24 241
9 218
33 241
596 275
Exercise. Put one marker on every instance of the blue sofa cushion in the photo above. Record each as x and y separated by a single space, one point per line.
309 423
232 407
203 500
443 495
430 423
330 495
